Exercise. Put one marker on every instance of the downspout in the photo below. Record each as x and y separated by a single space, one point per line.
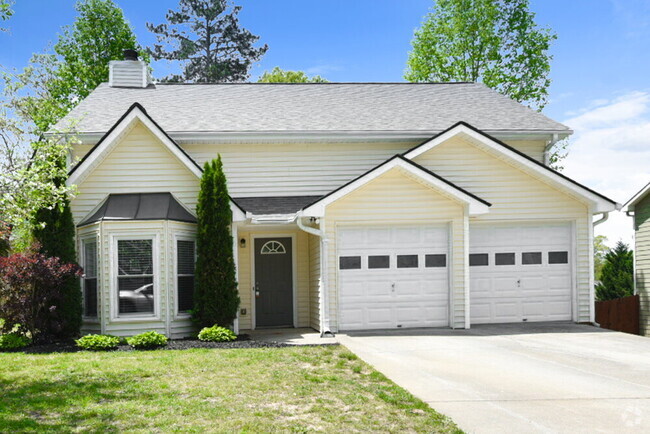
603 219
547 149
324 307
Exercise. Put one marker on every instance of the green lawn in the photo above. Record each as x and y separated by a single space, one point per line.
271 389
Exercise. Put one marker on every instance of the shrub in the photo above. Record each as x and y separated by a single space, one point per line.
217 334
13 341
98 342
147 341
30 290
216 298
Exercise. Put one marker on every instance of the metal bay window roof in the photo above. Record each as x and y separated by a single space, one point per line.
140 206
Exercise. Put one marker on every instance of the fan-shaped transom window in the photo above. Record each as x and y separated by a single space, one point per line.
273 248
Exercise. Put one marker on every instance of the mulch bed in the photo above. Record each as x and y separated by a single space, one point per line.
243 341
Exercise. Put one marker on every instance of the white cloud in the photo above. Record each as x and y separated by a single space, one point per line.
610 152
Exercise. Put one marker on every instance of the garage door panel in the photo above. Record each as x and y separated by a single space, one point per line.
388 295
535 287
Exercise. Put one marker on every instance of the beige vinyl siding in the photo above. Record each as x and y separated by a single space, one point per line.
397 198
245 264
314 281
532 148
273 169
139 163
642 258
515 195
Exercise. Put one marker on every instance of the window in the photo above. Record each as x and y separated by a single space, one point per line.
432 261
135 283
531 258
350 263
185 259
407 261
558 257
382 261
504 259
478 259
273 248
90 278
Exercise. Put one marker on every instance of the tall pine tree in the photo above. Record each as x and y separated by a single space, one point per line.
55 231
216 298
206 36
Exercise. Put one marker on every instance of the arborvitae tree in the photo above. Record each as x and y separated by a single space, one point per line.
216 298
617 275
206 36
55 231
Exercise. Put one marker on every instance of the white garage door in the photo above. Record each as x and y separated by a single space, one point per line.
520 272
393 276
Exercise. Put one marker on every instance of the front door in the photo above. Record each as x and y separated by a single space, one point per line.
273 282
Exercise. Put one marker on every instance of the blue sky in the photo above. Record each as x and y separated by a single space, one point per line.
600 71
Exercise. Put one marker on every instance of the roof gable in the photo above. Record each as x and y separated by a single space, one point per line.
476 205
134 115
517 158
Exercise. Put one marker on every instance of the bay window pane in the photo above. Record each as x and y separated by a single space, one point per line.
135 294
185 258
90 279
134 257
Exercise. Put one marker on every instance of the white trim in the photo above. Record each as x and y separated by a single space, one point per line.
637 198
271 136
113 287
466 272
573 261
599 204
294 273
83 239
179 235
476 207
112 140
234 231
592 278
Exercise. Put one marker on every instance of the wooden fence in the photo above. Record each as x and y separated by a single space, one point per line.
621 314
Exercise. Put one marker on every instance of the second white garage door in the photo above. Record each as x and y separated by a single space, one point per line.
520 272
392 277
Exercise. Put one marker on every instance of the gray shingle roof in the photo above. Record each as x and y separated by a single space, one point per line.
274 204
361 107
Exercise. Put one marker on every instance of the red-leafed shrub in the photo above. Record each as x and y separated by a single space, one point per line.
30 291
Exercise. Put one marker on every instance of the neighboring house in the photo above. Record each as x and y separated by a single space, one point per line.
639 208
355 206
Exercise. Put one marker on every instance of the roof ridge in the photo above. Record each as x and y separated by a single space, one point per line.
317 84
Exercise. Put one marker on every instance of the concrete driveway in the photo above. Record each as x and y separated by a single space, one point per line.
544 377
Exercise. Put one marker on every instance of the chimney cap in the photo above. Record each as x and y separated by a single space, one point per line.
130 55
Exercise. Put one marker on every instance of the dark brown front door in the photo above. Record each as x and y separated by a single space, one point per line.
273 282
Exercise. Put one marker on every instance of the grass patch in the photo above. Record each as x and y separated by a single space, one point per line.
270 389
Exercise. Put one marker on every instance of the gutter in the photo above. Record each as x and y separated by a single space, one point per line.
323 287
603 219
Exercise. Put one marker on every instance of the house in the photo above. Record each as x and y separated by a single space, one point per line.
355 205
638 207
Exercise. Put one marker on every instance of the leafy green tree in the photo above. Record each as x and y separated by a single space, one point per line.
216 299
278 75
99 34
493 41
5 12
206 37
617 275
600 250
